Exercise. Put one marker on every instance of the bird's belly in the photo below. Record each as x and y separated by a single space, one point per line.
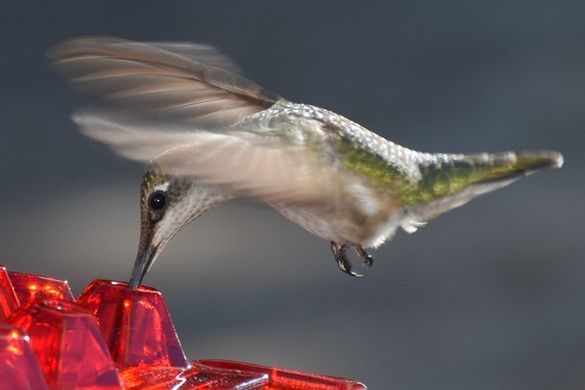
341 227
315 221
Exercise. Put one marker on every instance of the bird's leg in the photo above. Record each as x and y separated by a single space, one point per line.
342 260
361 252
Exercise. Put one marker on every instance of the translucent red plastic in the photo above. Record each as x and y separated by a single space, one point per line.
114 337
29 287
68 345
136 324
198 376
282 379
18 365
8 300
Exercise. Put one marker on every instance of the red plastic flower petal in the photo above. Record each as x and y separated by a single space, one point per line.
30 287
19 368
8 300
135 323
68 345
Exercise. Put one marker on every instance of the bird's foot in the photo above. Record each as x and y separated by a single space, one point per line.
342 261
361 252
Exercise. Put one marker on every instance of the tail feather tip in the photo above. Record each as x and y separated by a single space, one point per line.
531 161
558 160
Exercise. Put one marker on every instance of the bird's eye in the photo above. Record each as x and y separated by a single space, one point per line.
157 201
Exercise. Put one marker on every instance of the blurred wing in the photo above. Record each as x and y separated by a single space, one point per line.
132 137
190 82
198 88
200 53
243 161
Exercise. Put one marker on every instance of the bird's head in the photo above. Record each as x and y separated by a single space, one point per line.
163 212
167 203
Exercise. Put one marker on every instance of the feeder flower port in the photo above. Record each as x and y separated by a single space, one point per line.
113 337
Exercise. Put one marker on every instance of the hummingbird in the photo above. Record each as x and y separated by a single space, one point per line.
208 135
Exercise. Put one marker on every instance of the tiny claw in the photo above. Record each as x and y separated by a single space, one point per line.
361 252
342 260
347 268
354 274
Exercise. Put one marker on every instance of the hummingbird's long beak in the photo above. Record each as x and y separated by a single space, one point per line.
144 259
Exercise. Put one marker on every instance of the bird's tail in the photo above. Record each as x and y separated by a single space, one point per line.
452 180
493 168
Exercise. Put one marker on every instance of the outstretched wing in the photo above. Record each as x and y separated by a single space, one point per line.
250 162
194 83
199 101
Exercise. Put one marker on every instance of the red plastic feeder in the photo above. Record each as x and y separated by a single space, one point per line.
135 323
279 378
68 345
18 365
198 376
114 337
8 300
29 287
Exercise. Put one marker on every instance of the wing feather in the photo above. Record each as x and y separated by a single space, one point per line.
190 82
242 161
191 102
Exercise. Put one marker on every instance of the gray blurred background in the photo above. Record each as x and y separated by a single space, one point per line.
489 296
